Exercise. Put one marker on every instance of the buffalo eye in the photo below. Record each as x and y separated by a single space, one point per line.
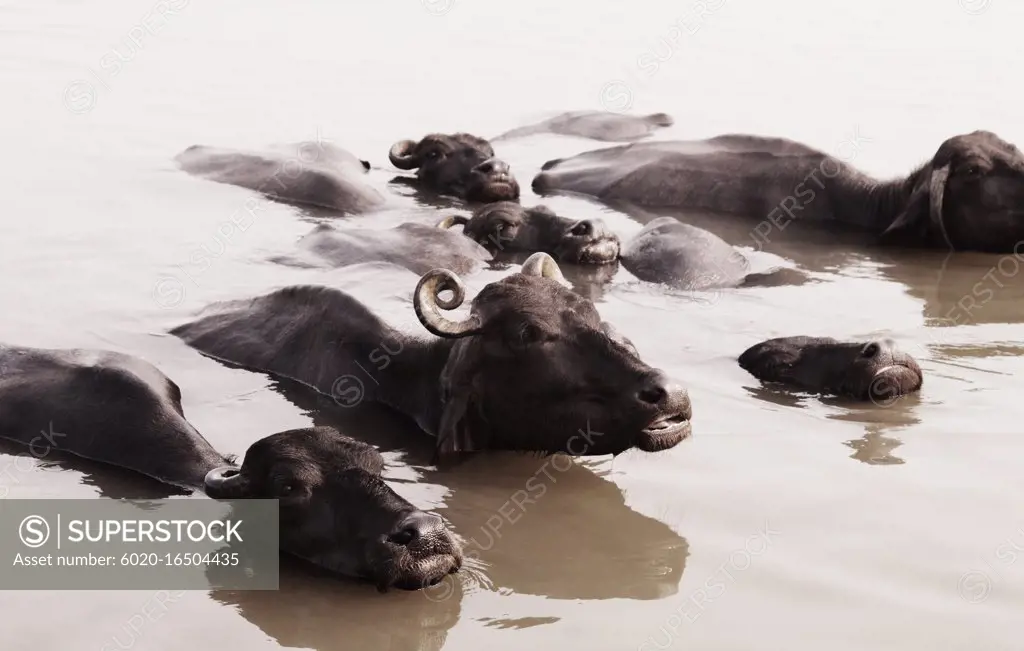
971 170
528 334
505 230
433 154
286 488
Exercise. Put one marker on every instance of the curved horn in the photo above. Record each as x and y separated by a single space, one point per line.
454 220
936 190
225 482
543 265
428 305
401 155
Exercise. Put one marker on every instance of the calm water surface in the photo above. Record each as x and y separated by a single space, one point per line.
788 521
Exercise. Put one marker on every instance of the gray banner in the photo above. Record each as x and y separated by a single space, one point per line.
104 544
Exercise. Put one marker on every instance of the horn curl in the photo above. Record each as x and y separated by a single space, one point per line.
453 220
428 305
225 482
401 155
543 265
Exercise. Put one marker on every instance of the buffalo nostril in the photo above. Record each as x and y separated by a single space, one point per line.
652 395
493 166
413 527
871 350
653 390
583 229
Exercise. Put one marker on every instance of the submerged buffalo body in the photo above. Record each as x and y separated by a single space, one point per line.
596 125
677 254
875 370
686 257
532 368
458 164
416 247
508 226
969 196
335 510
306 173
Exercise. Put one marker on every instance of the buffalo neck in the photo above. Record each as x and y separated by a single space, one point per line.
861 200
409 378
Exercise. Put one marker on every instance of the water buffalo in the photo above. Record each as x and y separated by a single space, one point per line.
508 226
457 164
306 174
873 370
416 247
596 125
969 196
671 252
532 368
335 510
686 257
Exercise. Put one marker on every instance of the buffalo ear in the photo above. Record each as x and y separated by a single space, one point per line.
454 433
769 362
923 209
911 224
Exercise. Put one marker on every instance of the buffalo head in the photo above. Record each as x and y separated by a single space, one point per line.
337 512
875 370
460 164
969 197
508 226
533 367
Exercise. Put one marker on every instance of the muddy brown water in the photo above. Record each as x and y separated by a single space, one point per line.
788 521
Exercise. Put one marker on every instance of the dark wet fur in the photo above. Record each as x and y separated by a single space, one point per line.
540 345
462 165
979 207
303 174
507 226
825 365
119 410
416 247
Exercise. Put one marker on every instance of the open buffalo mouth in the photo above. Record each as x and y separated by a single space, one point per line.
499 187
600 252
425 573
664 432
894 380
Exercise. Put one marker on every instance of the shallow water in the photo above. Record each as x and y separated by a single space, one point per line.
788 521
